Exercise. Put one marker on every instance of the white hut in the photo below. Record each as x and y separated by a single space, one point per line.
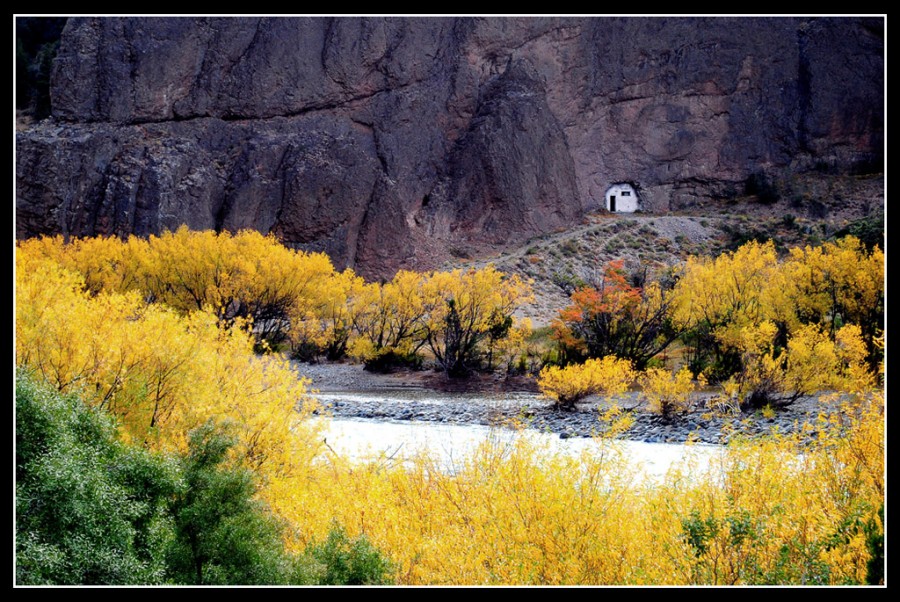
621 198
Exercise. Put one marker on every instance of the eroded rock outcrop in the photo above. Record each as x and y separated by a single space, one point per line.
392 142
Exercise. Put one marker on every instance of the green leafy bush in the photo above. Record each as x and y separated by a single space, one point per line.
223 534
341 560
89 510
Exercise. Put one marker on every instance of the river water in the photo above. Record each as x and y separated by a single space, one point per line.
398 424
366 439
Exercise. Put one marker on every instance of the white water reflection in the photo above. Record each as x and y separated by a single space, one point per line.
367 439
427 397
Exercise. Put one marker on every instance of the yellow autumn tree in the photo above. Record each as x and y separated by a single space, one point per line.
718 299
242 276
811 362
327 323
567 386
839 283
105 263
513 352
715 298
462 308
276 283
161 373
392 318
668 393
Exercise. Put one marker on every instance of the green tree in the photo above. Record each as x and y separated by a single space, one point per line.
92 510
340 560
89 510
223 534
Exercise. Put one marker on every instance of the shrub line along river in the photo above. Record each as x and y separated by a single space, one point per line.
397 415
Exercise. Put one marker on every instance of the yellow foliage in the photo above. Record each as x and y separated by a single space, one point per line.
515 512
460 308
246 275
729 292
668 392
616 421
566 386
769 512
812 362
159 372
288 293
827 285
392 314
330 320
836 279
512 348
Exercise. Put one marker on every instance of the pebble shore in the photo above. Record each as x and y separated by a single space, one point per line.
348 391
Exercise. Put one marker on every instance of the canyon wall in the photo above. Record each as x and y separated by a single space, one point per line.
400 142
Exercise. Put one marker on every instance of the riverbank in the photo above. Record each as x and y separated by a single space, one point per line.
348 391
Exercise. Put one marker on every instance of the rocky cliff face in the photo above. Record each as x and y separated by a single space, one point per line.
391 142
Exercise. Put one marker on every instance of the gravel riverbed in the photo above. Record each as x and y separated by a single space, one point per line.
348 391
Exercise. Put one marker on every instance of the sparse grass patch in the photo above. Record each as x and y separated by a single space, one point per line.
570 247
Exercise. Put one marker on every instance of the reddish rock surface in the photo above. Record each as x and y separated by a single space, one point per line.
398 142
